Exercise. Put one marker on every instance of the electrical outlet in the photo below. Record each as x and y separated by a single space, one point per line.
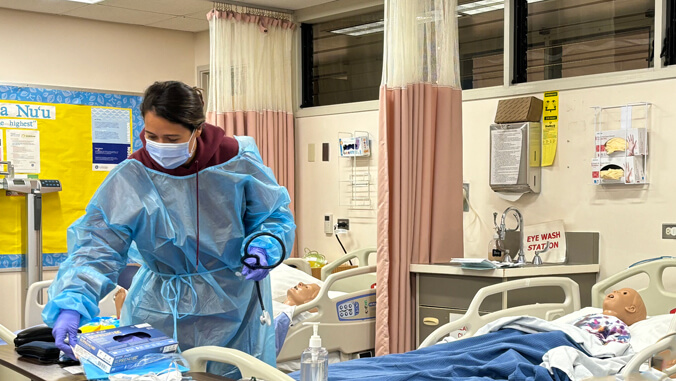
343 223
668 231
465 197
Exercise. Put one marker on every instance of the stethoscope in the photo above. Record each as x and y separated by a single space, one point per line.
265 317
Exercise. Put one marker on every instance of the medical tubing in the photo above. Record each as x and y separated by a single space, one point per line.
257 262
260 296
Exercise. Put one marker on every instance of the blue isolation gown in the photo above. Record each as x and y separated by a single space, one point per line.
209 305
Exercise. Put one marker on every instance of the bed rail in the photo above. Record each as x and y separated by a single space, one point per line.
657 299
362 255
472 320
338 334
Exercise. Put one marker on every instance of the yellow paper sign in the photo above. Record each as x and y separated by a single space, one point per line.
550 127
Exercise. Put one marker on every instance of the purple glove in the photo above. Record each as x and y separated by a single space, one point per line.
256 274
66 326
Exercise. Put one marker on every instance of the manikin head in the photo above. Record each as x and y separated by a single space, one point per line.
301 293
625 304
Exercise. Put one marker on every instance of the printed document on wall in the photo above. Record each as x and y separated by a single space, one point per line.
23 150
111 137
506 156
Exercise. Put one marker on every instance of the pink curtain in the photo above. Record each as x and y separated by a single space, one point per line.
250 83
419 199
274 135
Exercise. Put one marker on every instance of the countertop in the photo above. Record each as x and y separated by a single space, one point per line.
525 271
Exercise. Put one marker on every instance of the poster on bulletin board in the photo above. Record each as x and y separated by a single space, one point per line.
72 136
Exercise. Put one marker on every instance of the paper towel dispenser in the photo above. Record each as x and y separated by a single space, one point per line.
515 151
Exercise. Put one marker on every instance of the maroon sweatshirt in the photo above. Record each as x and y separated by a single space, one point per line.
213 148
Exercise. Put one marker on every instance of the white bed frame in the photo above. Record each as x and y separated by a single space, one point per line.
347 338
472 320
344 337
658 300
33 309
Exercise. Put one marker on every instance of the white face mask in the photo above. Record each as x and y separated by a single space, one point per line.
170 155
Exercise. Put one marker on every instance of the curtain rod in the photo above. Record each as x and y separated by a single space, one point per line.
242 4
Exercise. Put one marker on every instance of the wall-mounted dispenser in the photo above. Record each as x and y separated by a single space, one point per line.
515 151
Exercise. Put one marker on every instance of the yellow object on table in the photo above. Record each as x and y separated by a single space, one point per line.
314 258
317 272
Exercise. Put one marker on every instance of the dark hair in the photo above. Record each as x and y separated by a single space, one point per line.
176 102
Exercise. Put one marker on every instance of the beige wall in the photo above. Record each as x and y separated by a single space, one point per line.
50 50
318 187
629 219
65 51
201 48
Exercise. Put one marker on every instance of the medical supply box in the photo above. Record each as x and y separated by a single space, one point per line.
624 142
514 110
119 349
619 170
355 146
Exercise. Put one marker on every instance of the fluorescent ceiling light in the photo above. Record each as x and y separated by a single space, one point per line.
483 6
359 30
87 1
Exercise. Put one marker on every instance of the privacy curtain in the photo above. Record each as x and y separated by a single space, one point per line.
420 158
250 82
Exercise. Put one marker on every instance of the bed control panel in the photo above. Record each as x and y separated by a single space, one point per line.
361 307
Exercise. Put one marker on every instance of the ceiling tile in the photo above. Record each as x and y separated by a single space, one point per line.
172 7
285 4
120 15
183 23
201 15
43 6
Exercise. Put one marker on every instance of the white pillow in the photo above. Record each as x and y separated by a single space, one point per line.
283 277
647 332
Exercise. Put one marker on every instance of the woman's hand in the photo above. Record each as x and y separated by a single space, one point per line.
66 326
256 274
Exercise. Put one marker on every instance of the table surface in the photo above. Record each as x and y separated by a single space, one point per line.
40 372
526 271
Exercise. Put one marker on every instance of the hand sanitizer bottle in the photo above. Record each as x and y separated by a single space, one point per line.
314 362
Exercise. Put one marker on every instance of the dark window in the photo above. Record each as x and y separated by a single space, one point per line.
669 48
569 38
480 33
342 59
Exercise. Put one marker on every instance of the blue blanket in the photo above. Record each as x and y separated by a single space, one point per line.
503 355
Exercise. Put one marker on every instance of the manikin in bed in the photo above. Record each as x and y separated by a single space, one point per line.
283 312
518 348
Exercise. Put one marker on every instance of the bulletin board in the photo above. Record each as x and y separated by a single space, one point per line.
72 136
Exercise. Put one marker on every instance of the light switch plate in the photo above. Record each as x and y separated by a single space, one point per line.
310 153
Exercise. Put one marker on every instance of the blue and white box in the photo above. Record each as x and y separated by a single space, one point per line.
119 349
355 146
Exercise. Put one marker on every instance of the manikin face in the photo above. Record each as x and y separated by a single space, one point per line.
301 293
626 304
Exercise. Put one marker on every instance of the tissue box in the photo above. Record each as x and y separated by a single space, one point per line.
633 141
108 351
632 167
356 146
526 109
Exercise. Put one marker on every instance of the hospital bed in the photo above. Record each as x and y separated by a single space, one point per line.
658 300
33 308
346 332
